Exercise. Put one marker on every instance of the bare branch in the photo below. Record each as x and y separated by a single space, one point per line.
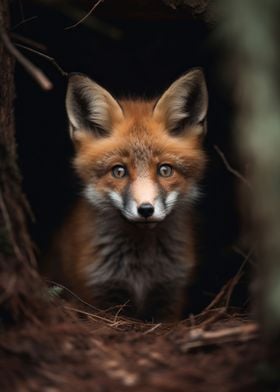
86 16
34 71
28 41
51 59
231 169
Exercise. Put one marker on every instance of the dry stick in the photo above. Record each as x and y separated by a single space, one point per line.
228 287
35 72
45 56
91 315
119 310
218 314
218 297
199 338
231 169
85 17
152 329
109 322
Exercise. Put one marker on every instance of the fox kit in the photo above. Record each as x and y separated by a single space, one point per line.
129 238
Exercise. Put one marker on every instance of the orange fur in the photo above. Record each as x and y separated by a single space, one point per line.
139 139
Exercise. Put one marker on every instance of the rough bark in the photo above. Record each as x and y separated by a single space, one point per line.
18 277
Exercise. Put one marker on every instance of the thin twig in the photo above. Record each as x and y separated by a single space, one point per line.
72 293
107 318
121 308
34 71
244 255
91 315
28 41
218 297
210 320
152 329
45 56
86 16
23 21
231 169
228 288
236 278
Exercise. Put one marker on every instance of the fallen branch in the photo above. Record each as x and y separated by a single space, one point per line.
200 338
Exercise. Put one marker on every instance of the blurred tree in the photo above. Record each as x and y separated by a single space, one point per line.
250 31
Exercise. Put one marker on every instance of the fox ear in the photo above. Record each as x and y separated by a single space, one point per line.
90 107
184 104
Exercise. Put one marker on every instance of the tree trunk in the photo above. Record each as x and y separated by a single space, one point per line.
19 282
251 33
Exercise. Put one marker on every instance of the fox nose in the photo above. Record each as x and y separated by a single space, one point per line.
146 210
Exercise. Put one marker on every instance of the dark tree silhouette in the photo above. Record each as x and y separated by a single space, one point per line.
19 281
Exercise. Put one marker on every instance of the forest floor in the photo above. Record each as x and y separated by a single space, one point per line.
88 351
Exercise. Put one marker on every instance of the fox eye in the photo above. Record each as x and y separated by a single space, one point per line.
165 170
119 171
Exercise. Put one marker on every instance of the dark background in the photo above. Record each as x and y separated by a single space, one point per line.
132 49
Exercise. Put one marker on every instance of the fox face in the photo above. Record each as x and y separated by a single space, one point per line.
140 158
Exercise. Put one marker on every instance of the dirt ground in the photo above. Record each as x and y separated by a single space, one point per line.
86 351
